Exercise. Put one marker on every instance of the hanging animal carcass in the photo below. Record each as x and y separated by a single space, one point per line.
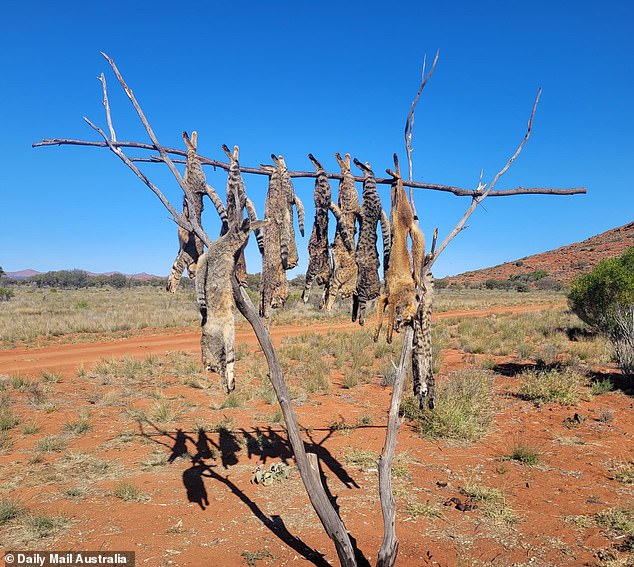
190 246
404 271
344 273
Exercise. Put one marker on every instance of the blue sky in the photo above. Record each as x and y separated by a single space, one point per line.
297 77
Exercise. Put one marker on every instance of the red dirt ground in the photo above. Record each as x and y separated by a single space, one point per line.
168 528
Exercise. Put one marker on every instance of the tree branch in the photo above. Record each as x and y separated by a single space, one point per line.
458 191
480 193
309 471
106 105
409 124
389 547
196 228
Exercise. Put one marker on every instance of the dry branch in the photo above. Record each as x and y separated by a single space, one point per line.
306 463
106 105
196 228
409 124
480 193
458 191
389 547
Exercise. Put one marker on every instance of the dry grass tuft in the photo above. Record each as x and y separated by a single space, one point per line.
552 386
463 409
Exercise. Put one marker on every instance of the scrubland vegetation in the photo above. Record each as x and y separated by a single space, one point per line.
90 437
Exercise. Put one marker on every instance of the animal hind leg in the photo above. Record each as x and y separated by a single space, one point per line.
418 253
308 284
390 323
380 308
227 375
183 260
355 307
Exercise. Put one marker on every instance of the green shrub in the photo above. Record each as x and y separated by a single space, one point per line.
594 296
525 454
604 299
6 294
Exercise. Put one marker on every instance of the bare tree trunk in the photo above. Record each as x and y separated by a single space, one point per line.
306 463
389 547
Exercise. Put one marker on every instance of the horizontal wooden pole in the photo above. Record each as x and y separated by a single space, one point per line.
459 191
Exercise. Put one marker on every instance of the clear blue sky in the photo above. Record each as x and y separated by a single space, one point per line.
296 77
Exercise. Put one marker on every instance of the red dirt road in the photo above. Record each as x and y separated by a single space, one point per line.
68 357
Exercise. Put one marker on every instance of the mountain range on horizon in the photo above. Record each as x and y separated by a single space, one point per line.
561 264
143 276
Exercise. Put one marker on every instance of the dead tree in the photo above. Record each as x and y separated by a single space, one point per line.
307 463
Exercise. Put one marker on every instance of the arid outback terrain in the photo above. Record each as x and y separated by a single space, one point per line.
111 438
562 264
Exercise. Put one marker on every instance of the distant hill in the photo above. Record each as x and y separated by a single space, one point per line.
22 274
560 265
142 276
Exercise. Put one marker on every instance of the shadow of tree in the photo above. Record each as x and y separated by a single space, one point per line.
265 443
514 369
617 380
576 333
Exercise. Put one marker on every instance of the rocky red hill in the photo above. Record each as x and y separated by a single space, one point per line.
562 264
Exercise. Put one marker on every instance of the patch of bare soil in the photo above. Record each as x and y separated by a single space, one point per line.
192 501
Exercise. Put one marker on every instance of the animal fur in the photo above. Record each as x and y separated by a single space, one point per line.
404 271
291 258
387 241
422 369
237 201
367 255
273 284
190 246
344 274
215 300
319 269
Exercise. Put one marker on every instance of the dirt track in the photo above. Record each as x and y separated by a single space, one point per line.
67 357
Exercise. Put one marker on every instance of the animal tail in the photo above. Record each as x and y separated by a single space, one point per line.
201 284
300 214
387 241
218 204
